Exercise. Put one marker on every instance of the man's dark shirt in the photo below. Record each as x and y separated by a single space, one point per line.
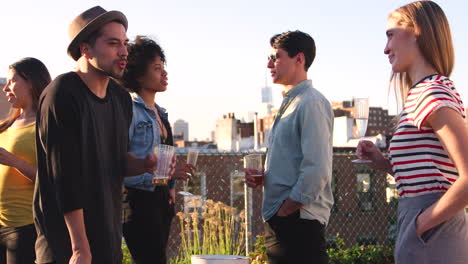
81 157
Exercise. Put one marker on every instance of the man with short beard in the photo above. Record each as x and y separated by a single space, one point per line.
82 135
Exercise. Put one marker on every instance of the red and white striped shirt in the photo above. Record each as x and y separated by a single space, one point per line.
420 163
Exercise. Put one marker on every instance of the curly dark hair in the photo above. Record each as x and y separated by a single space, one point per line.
294 42
141 52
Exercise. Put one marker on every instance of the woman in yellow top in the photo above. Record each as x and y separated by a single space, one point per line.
26 80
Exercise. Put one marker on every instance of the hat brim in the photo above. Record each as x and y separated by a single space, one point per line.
74 47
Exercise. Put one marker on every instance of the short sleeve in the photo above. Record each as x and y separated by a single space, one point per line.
59 135
433 98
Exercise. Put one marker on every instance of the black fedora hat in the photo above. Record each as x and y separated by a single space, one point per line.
87 23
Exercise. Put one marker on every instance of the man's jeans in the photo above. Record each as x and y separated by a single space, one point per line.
292 240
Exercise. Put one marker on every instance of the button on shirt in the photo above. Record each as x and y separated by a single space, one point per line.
299 158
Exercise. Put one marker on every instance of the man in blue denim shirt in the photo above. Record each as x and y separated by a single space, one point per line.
297 187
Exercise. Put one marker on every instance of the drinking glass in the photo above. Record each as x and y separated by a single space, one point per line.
192 156
361 115
253 162
164 154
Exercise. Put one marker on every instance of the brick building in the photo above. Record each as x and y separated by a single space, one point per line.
380 125
234 135
264 126
380 122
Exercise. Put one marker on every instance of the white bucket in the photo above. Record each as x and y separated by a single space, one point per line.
219 259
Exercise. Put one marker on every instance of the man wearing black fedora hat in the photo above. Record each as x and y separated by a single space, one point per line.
82 135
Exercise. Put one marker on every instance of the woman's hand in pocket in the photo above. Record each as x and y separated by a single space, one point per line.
424 222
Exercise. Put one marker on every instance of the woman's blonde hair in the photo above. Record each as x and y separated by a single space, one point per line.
432 30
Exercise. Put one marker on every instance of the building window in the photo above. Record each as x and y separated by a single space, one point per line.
364 191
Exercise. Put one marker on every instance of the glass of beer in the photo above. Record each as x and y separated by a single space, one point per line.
164 154
253 163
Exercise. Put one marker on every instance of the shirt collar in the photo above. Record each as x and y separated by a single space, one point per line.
138 100
299 88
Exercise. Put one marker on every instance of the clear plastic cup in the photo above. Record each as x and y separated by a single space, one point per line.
164 154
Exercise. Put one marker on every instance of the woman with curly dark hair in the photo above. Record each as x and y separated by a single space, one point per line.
148 208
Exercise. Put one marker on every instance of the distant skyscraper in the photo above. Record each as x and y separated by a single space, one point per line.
181 128
267 102
267 95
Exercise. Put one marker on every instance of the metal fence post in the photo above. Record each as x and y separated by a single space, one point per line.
248 218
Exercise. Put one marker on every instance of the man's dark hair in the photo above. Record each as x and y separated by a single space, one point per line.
141 52
91 40
294 42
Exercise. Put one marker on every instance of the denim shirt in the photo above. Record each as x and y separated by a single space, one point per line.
144 135
299 158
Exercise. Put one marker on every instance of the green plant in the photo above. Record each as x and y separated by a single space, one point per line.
365 254
127 258
370 254
217 230
258 256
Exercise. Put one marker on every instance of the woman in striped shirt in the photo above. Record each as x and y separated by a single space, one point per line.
428 155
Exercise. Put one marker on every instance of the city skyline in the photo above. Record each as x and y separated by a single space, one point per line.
217 50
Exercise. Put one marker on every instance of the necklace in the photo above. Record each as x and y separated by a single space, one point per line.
162 128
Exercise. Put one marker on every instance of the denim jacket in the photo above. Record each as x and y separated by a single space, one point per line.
143 135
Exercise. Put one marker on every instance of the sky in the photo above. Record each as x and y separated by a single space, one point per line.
216 50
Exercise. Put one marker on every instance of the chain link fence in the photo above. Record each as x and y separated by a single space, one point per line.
364 212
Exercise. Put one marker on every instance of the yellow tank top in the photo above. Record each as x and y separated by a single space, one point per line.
16 190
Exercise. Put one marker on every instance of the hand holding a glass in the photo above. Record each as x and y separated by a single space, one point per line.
192 157
361 116
367 150
186 171
165 157
137 166
253 168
